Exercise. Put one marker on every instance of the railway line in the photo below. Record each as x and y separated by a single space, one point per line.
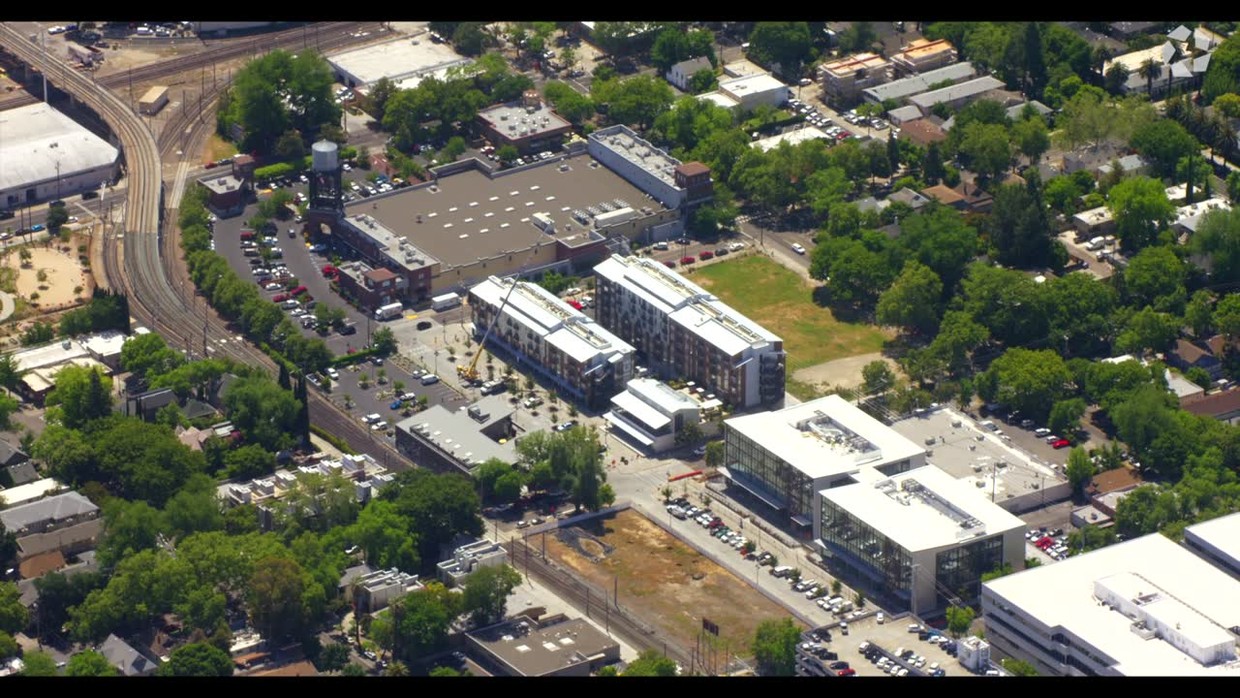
317 35
142 257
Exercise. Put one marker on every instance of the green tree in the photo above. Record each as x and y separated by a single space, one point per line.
384 341
1090 538
985 149
263 413
386 537
1148 331
959 619
249 461
1141 209
38 664
439 507
1199 314
1155 276
1019 229
1218 239
289 146
333 657
1031 138
198 659
13 615
715 453
1018 667
89 663
447 671
1079 471
774 647
702 81
639 99
57 216
913 299
128 528
1227 315
195 507
82 394
486 593
274 597
353 669
1164 143
8 646
1028 380
878 377
650 663
782 46
1065 416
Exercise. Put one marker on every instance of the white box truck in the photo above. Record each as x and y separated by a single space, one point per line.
445 301
389 311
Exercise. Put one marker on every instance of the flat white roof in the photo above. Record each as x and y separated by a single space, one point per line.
637 407
751 84
687 303
48 355
1222 535
107 343
27 492
1190 592
925 100
800 135
36 139
720 99
396 60
553 319
826 437
661 395
922 509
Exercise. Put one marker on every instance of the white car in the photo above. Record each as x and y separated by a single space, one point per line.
333 374
881 618
379 426
798 248
372 418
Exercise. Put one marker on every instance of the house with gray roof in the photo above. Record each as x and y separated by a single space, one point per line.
903 114
680 73
956 96
58 511
1016 110
910 197
10 455
904 88
19 474
129 661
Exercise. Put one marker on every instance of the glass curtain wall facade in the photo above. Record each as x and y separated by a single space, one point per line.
960 569
857 544
758 466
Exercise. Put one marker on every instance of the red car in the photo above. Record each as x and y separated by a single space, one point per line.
687 260
1062 443
575 303
280 298
846 672
329 270
705 255
670 263
298 291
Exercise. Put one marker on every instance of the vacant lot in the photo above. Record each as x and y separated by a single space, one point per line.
781 301
667 583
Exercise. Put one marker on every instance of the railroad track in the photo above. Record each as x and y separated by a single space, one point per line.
141 256
523 556
225 50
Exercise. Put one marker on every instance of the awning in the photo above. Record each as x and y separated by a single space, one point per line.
629 429
753 488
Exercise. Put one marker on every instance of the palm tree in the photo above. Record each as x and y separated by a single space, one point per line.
1149 70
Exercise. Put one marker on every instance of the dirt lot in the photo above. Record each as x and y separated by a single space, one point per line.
61 276
665 582
842 373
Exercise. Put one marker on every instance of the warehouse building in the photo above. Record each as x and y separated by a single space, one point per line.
442 439
404 61
1144 607
45 155
682 331
539 330
660 176
783 457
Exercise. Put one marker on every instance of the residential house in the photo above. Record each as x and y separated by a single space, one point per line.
923 132
680 73
468 559
1131 164
21 474
39 565
902 115
129 661
956 96
909 197
900 90
67 522
1185 355
1223 406
945 195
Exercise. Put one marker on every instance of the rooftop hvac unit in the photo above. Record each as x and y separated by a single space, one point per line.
503 117
606 207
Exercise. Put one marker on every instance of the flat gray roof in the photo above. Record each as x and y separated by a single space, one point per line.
532 651
516 121
495 215
461 435
35 139
54 508
396 60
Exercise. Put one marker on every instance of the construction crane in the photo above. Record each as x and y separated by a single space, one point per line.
469 372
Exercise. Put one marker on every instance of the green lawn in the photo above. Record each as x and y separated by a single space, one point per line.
780 300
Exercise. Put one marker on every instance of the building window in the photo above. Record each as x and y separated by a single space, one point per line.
960 569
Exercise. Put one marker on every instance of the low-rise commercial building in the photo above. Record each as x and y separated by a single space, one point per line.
748 92
784 457
921 55
369 287
441 439
652 414
541 331
1144 607
844 80
682 331
674 184
529 125
921 535
554 646
405 61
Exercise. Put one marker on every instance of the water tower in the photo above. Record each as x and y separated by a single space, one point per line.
326 203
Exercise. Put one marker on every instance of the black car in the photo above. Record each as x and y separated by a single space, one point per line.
839 665
722 252
6 214
424 325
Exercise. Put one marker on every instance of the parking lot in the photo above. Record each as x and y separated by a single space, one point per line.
866 642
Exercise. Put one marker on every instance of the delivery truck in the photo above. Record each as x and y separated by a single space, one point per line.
389 311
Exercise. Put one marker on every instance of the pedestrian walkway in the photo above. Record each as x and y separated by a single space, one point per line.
7 305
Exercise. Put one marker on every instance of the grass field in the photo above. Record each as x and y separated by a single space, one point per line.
668 584
217 148
781 301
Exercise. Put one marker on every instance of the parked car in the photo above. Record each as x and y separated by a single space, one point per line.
1062 443
798 248
705 255
687 260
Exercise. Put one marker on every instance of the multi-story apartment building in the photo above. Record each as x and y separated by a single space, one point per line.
682 331
924 54
843 80
587 362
